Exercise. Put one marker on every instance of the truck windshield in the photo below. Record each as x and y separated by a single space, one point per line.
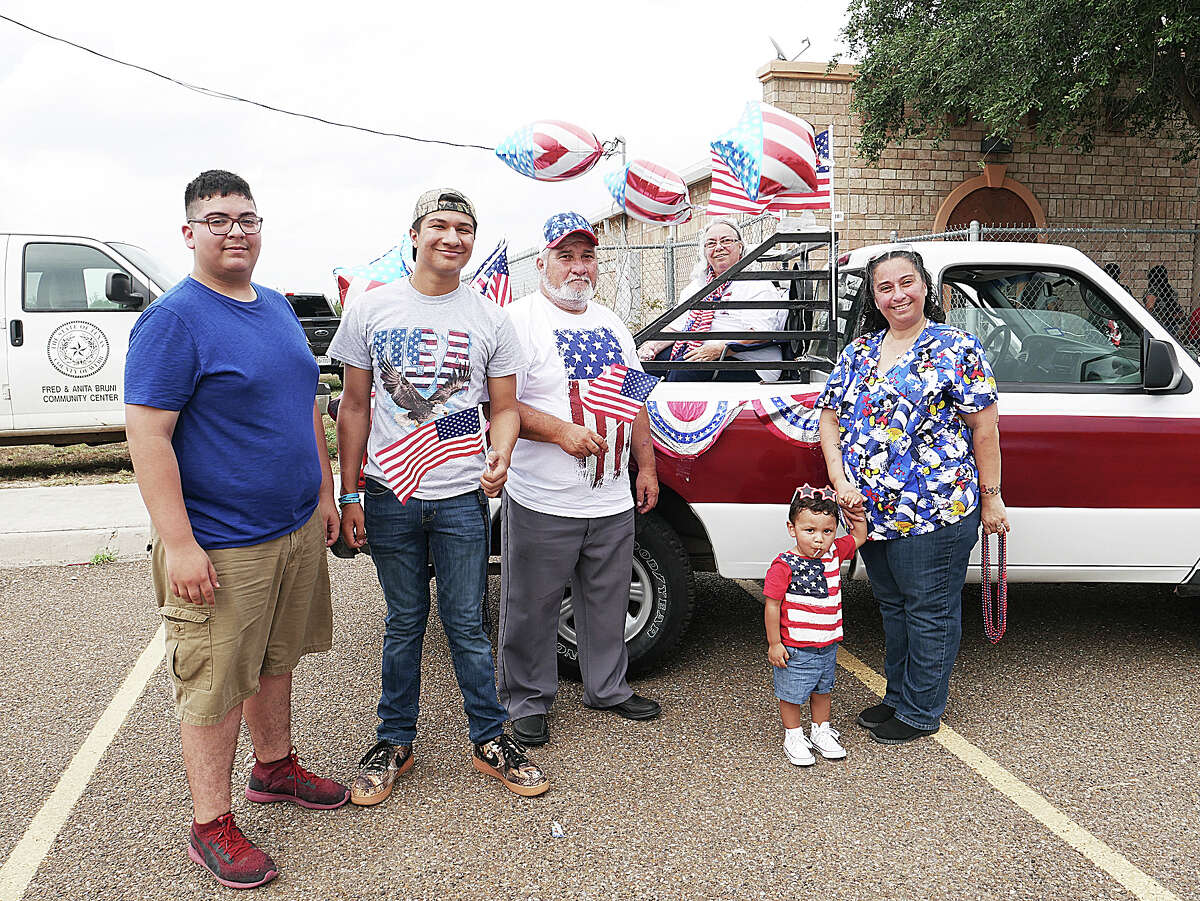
158 273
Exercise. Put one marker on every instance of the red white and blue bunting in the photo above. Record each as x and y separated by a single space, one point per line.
791 418
689 428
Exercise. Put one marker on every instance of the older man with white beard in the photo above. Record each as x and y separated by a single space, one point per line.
567 510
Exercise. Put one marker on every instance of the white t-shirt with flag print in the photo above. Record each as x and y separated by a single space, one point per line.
429 357
565 351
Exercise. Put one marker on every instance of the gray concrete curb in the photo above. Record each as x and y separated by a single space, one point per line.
71 524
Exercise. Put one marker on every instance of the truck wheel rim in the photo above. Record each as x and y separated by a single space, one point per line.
641 603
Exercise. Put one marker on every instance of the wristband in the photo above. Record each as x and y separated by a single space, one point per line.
351 498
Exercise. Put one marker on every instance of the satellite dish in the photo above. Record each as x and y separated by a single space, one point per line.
780 55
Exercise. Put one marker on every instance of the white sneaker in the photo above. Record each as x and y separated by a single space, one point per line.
797 748
825 739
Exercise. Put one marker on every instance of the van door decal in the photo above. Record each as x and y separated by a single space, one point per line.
77 349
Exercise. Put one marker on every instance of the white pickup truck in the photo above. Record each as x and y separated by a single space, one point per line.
1099 428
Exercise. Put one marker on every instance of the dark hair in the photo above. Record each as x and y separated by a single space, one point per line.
872 320
214 183
815 504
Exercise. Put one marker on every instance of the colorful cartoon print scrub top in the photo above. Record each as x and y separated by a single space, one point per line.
903 442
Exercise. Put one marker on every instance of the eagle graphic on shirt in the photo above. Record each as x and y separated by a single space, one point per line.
585 354
425 373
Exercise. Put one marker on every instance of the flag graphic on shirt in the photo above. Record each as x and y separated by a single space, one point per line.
491 278
586 353
728 196
811 612
412 375
619 392
406 461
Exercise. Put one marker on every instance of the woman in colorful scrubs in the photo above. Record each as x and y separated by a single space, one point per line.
909 431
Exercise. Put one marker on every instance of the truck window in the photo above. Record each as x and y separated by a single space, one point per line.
1044 326
69 278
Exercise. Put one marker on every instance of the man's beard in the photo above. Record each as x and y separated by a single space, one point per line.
567 296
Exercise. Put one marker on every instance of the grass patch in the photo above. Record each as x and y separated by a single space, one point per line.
80 464
102 557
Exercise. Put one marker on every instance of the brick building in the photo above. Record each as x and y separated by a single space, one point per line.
917 187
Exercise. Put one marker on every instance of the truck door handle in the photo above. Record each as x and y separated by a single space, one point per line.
16 333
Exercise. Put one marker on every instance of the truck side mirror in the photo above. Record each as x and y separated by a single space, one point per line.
118 287
1161 370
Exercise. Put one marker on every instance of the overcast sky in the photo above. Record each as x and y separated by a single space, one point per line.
92 148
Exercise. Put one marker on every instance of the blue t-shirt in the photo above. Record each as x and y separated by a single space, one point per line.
243 380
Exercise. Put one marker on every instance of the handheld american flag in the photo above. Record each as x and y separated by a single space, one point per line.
449 437
619 392
491 278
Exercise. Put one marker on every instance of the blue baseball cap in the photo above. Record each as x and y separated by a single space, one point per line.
561 225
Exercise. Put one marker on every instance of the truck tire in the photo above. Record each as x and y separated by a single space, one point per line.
661 596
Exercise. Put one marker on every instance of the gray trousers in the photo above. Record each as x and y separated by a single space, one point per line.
540 554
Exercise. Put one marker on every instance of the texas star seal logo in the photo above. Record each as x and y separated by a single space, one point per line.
77 349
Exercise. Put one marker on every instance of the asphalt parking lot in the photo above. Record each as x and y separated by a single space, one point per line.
1088 704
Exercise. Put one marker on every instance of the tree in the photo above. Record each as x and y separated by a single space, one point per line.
1063 69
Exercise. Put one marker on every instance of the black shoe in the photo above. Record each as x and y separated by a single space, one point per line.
874 717
531 730
894 732
635 707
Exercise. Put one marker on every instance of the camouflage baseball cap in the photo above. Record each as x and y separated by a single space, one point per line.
443 199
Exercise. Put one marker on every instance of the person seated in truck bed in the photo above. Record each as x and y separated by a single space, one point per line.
722 244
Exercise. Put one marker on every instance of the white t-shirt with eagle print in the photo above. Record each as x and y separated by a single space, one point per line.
565 352
429 357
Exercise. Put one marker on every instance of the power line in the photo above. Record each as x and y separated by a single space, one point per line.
221 95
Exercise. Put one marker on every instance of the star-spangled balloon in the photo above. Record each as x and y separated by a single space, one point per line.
650 192
769 151
391 267
550 150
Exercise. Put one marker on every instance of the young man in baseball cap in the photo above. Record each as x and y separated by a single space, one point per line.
431 346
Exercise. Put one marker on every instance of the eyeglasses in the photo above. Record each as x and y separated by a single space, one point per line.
714 243
223 225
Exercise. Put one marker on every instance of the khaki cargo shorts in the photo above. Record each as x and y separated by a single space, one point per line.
272 607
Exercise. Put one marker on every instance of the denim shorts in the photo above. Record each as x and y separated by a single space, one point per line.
808 670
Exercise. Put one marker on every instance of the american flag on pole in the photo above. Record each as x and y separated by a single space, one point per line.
491 278
586 353
619 392
727 196
449 437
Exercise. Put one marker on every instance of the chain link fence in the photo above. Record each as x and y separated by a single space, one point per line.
641 281
1157 266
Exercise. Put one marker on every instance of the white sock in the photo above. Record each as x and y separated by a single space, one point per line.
822 725
792 733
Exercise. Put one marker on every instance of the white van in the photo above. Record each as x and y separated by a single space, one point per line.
69 304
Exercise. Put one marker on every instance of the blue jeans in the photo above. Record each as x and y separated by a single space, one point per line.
918 583
456 530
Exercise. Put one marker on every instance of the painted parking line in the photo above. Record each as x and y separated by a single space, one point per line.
29 853
1108 859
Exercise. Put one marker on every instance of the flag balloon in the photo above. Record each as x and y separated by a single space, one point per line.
391 267
650 192
769 151
550 150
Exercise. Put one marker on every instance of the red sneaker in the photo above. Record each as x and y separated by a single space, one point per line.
287 780
235 861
